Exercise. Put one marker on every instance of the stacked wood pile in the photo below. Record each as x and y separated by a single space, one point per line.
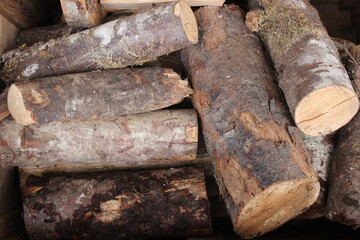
109 146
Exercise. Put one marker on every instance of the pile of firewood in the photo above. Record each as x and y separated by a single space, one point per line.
88 98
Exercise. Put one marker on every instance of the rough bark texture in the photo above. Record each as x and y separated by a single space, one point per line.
31 36
117 205
343 203
259 159
321 149
83 13
162 136
343 46
102 94
4 111
115 44
315 84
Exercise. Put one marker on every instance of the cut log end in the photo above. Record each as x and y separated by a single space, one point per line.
17 107
276 205
188 20
326 110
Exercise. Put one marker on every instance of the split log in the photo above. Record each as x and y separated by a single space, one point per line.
24 13
321 149
114 5
260 160
31 36
117 205
343 203
116 44
98 95
141 139
315 83
83 13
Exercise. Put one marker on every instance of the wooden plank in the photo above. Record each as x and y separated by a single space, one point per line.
10 222
23 13
8 34
113 5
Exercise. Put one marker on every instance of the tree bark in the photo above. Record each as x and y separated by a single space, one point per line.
116 44
4 111
98 95
315 84
162 136
343 203
83 13
260 160
117 205
32 36
115 5
321 149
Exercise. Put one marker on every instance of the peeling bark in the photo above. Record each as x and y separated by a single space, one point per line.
260 160
97 95
128 41
161 137
117 205
315 84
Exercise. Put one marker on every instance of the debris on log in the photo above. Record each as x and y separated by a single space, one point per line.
261 162
117 205
315 83
116 44
140 139
98 95
83 13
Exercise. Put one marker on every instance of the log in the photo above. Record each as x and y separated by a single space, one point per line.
343 46
4 111
315 83
116 44
140 139
260 161
29 37
321 149
344 198
115 5
98 95
117 205
24 13
83 13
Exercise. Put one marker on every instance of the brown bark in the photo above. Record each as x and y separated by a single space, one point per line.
116 44
321 149
157 137
259 159
83 13
98 95
315 84
343 46
4 111
353 65
117 205
31 36
343 203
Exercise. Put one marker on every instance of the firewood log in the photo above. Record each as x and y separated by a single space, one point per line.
115 5
321 149
353 65
343 203
140 139
343 46
260 161
315 83
83 13
32 36
128 41
117 205
4 111
101 94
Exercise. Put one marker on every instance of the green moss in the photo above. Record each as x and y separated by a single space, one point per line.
281 27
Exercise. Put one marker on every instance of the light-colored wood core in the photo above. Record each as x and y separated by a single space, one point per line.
187 19
276 205
326 110
17 107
